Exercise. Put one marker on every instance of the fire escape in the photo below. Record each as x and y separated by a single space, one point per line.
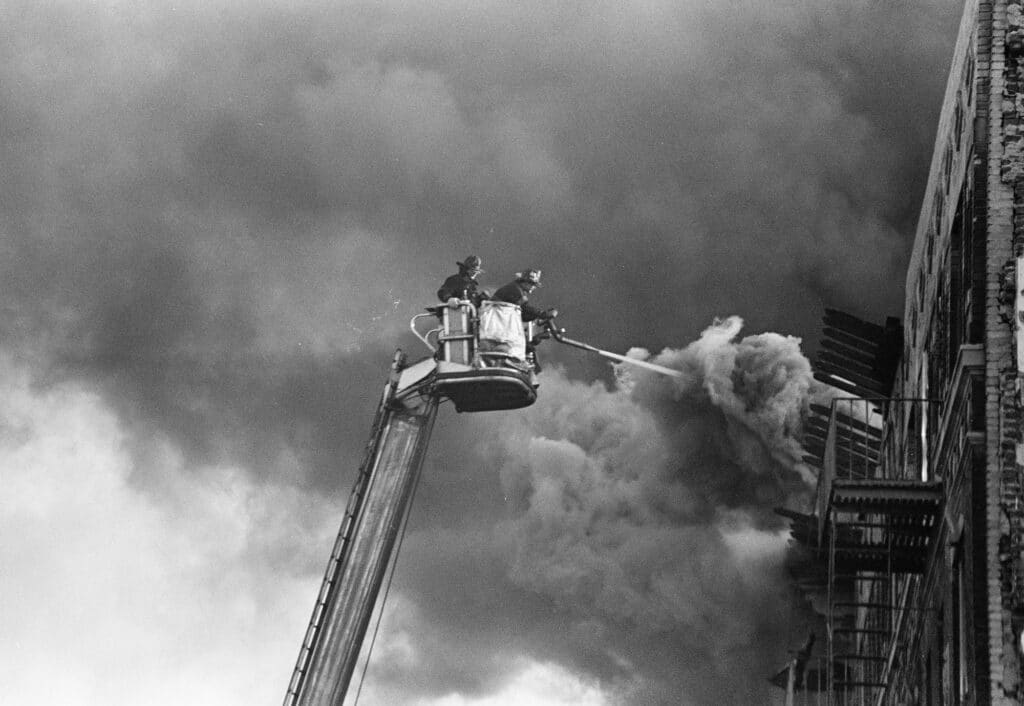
877 509
875 524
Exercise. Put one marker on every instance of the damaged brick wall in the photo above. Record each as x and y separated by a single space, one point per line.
1009 298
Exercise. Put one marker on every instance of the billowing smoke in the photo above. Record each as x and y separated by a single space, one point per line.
643 514
614 542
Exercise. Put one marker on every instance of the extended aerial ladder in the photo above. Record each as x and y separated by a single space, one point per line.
482 360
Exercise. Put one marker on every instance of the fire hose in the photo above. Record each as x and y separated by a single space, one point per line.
559 335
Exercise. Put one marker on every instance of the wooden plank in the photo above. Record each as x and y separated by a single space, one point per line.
817 441
867 358
857 466
849 339
814 430
847 420
850 364
814 444
876 386
817 423
849 387
814 447
858 326
844 385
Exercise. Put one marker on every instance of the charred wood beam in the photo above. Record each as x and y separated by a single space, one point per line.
876 386
867 356
849 322
814 447
812 461
850 339
815 435
849 421
844 385
853 366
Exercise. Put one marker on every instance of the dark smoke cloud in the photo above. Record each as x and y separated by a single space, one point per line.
638 537
220 218
648 507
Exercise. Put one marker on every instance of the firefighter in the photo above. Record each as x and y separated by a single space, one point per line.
464 284
518 292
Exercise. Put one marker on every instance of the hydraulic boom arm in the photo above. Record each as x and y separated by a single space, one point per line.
358 563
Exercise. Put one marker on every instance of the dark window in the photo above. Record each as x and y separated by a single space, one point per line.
958 121
969 75
967 272
958 663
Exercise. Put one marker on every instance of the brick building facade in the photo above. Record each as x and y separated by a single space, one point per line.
914 552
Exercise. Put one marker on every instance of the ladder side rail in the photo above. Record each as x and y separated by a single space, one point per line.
403 525
348 612
327 587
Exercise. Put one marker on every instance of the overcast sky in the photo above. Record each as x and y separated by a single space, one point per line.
216 219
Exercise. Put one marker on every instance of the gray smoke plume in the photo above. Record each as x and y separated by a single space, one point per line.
642 514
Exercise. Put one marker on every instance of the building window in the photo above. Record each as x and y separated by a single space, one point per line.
967 273
954 303
969 75
924 474
958 121
914 467
961 680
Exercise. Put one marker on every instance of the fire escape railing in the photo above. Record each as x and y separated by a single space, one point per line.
876 517
960 435
879 510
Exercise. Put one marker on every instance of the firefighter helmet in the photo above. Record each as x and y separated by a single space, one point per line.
472 263
529 277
